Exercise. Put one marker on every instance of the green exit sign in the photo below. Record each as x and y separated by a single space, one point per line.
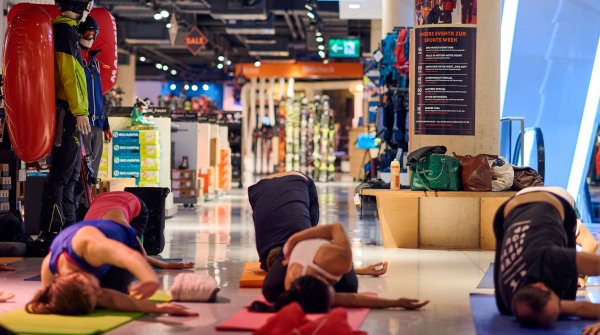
344 48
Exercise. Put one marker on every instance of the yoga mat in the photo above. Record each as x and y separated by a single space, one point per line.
100 321
488 320
9 260
488 278
253 276
39 277
245 320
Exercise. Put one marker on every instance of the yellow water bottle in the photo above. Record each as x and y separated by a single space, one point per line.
395 175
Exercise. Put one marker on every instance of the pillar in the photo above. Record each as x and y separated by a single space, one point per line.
376 35
396 13
126 80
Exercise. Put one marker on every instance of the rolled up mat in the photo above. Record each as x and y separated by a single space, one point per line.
100 321
253 276
489 321
245 320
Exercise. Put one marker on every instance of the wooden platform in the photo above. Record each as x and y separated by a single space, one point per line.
415 219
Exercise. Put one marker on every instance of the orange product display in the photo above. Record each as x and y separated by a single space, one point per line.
206 174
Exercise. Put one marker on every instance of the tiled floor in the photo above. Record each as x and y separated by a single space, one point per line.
219 238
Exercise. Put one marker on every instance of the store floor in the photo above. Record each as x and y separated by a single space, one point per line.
219 237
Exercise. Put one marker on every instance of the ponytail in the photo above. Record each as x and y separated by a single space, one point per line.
311 293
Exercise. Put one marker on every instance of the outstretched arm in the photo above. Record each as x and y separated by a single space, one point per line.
122 302
332 232
582 309
361 300
588 263
157 263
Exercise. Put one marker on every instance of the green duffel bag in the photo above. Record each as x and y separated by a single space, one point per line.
435 172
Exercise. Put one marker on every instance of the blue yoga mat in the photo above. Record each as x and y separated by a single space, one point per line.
488 320
488 278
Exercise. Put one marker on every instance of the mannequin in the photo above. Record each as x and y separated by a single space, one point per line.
58 203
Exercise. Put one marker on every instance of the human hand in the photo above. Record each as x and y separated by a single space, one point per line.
411 304
5 296
178 265
6 267
175 310
593 329
144 289
108 135
376 269
287 249
83 124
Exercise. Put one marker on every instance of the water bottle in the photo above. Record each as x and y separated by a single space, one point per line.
395 175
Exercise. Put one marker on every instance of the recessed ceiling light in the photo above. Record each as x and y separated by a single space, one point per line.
164 13
354 6
186 87
319 39
173 72
220 66
308 7
194 88
221 58
142 59
158 17
205 87
322 54
325 61
165 67
228 62
159 66
257 63
168 25
173 87
321 47
311 15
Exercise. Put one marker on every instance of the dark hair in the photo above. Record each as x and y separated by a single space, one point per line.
273 254
311 293
61 296
529 307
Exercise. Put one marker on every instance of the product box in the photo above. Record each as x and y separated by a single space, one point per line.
124 137
150 164
4 193
183 174
181 184
144 184
206 176
105 150
126 149
150 177
215 151
130 160
149 137
5 206
184 194
126 174
5 170
149 151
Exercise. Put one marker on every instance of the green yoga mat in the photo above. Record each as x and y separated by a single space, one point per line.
100 321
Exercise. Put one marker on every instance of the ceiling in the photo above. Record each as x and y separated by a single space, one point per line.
232 30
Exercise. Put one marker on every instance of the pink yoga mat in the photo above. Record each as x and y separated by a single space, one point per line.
249 321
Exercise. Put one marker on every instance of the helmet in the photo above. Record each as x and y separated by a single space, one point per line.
89 29
76 6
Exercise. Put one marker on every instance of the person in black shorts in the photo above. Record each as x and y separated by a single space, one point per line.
536 263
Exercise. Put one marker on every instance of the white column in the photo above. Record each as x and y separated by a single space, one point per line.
376 35
396 13
126 80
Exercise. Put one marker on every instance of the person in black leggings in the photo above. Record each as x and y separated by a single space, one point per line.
284 204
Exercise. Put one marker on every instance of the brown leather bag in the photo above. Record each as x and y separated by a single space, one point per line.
476 172
526 177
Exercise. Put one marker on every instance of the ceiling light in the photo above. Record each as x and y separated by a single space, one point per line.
322 53
164 13
221 58
173 87
228 62
321 47
194 88
318 33
186 87
311 15
354 6
257 63
142 59
220 66
360 87
159 66
173 72
165 67
319 39
168 25
205 87
325 61
158 17
308 6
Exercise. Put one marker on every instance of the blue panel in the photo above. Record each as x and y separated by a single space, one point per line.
214 92
552 58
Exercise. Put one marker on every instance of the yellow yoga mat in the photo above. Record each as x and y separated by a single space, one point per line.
9 260
253 276
100 321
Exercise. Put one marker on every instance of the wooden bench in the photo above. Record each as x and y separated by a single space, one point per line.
414 219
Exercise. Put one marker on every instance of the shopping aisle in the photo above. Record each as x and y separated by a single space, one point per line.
219 238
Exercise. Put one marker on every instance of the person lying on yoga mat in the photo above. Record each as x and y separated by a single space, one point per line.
316 264
282 205
134 213
91 264
536 264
